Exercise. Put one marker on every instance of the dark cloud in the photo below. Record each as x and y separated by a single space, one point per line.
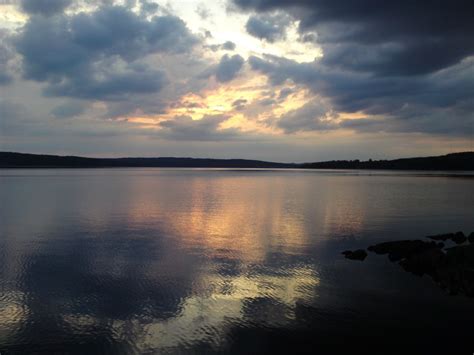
410 64
114 85
440 122
229 67
69 109
398 37
145 105
309 37
440 102
97 54
206 129
44 7
284 93
268 27
148 7
227 46
239 104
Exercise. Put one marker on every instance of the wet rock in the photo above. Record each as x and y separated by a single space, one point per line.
452 269
398 250
471 237
359 254
457 272
442 237
425 262
459 238
461 255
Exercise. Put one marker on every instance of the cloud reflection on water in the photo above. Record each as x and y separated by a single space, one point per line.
129 261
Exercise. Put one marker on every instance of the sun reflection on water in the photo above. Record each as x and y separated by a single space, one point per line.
164 259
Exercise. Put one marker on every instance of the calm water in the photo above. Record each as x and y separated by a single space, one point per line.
156 260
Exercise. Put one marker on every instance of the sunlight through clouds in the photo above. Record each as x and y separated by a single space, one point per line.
268 71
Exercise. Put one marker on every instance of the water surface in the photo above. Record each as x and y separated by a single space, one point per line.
195 260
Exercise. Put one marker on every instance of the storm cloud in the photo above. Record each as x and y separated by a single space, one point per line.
45 7
268 27
408 64
393 38
440 102
316 75
98 54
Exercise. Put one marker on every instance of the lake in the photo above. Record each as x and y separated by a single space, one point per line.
126 261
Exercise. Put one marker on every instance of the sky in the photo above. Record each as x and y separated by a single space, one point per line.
279 80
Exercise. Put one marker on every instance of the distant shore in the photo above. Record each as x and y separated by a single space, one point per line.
463 161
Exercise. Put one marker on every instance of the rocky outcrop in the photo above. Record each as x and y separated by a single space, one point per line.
398 250
451 268
359 254
471 237
457 237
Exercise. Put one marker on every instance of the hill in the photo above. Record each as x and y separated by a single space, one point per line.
454 161
21 160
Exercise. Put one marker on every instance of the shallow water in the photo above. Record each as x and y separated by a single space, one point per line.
194 260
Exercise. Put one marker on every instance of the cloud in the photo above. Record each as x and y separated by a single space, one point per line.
69 109
44 7
266 102
148 7
397 38
206 129
7 56
110 85
440 102
313 116
239 104
284 93
5 78
229 67
10 110
203 11
14 118
98 54
268 27
227 46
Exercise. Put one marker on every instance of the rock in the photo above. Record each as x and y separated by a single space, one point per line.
471 237
398 250
359 254
451 269
457 272
459 238
461 255
425 262
442 237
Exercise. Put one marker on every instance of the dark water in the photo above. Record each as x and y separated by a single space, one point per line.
125 261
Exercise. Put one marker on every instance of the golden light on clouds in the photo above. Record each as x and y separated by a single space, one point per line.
247 103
